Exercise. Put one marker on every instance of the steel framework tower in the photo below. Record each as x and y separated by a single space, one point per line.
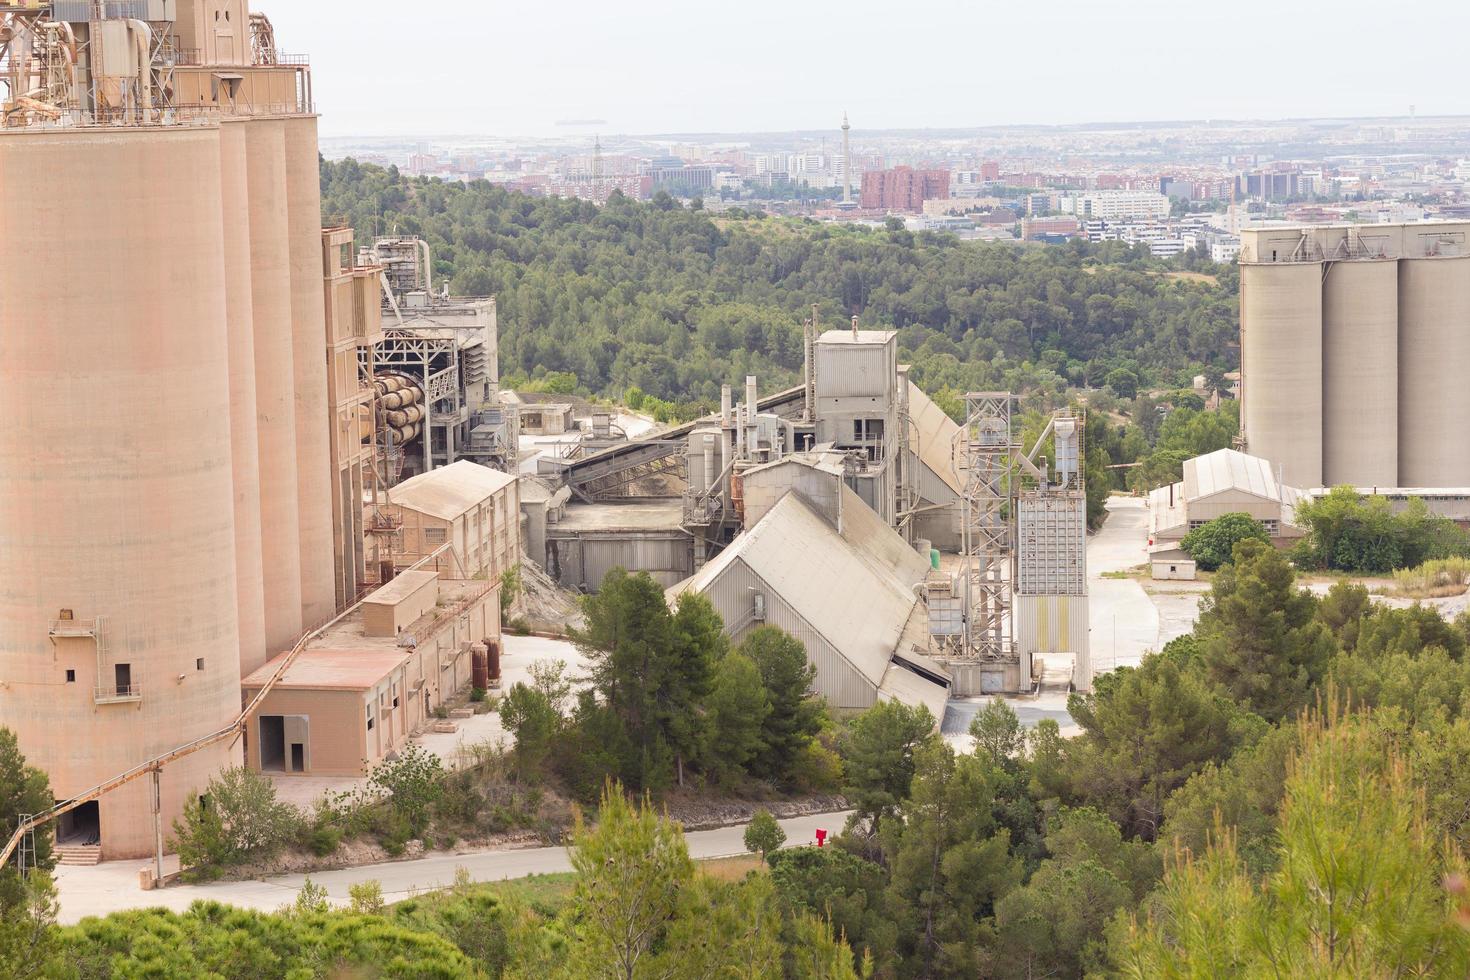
988 549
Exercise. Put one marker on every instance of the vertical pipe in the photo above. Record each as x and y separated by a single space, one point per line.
726 395
752 438
158 827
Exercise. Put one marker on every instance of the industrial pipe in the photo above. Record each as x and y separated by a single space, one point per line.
752 441
142 41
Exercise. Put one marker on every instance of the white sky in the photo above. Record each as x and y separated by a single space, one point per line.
656 66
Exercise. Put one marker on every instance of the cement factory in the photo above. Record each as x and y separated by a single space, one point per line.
259 483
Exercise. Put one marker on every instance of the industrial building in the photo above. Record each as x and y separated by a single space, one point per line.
437 369
355 695
166 504
842 582
1354 351
1216 484
205 396
473 509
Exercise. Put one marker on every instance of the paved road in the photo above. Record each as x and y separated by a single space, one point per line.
113 887
1124 620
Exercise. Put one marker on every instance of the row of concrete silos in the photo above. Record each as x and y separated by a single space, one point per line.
165 512
1355 369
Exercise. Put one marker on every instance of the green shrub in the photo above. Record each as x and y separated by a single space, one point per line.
1211 545
323 841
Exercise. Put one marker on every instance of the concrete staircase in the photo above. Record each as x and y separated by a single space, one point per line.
78 855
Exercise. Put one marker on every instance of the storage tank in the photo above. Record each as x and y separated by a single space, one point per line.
1281 358
314 463
118 600
275 404
244 442
1360 373
1434 372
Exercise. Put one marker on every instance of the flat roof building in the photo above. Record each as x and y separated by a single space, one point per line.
358 693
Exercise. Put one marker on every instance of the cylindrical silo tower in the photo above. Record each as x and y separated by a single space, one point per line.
1281 359
1360 373
118 601
244 443
1434 365
275 380
314 463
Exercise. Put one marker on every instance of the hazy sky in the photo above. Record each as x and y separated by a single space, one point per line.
655 66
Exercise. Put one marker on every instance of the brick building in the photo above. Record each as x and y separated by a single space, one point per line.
903 188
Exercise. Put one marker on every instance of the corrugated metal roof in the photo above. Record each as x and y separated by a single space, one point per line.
850 589
937 435
903 685
828 461
450 491
1226 469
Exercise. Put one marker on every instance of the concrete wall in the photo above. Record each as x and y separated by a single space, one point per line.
117 476
581 560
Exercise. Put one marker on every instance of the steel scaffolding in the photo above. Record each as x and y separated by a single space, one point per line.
988 445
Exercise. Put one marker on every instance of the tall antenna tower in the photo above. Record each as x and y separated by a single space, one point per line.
846 160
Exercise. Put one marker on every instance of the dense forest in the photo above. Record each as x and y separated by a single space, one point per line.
675 302
664 303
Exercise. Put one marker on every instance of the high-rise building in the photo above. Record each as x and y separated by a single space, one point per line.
166 516
903 188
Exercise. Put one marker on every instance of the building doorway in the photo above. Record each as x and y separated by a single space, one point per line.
80 826
273 743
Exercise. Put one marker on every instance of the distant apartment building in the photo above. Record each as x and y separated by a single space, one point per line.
1116 205
1056 227
1269 186
903 188
597 189
990 171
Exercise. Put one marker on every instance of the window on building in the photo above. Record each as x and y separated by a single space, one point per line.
867 430
199 664
71 677
370 717
434 535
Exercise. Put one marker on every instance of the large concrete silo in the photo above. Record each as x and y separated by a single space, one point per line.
319 598
1434 365
244 439
1281 358
1360 373
275 380
118 601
